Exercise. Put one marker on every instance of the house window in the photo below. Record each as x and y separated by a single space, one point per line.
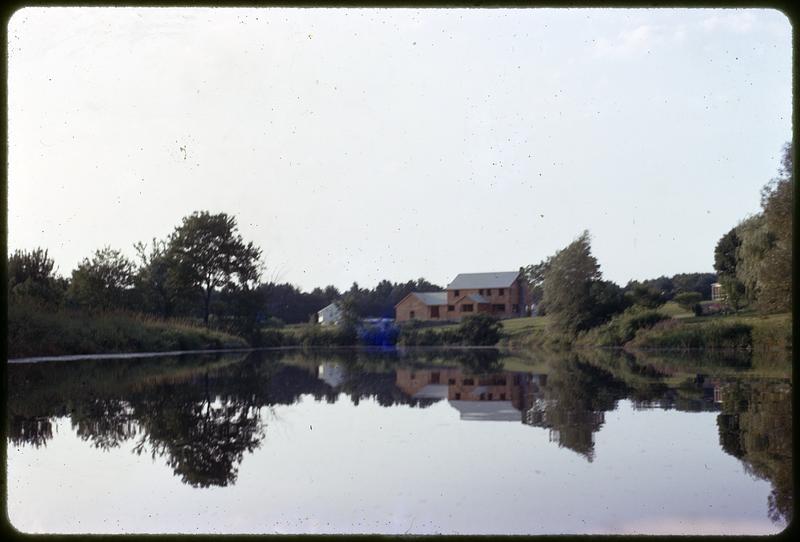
451 308
434 312
411 314
456 293
451 381
434 378
499 308
458 396
502 396
480 291
466 308
469 382
489 291
501 291
514 308
490 396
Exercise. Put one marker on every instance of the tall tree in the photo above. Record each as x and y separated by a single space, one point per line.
567 286
777 200
157 278
103 282
211 254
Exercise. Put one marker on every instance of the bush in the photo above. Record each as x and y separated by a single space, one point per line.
480 330
623 328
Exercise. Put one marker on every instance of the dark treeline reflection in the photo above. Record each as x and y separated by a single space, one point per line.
203 413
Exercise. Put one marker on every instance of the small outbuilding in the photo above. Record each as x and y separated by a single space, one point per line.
330 315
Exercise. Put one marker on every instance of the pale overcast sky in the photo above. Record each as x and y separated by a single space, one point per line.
357 145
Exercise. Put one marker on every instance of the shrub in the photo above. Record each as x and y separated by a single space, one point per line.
624 327
480 330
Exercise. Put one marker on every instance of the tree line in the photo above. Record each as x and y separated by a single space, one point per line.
203 270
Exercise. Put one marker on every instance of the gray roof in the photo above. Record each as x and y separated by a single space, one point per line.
467 281
432 391
432 298
497 411
477 298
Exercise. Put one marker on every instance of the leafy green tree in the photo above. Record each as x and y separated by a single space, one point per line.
480 330
103 282
157 278
210 254
606 300
777 201
31 275
567 286
725 264
725 253
756 242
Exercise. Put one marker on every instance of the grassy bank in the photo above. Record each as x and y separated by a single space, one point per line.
666 328
767 333
36 332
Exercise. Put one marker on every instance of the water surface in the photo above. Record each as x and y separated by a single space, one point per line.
418 442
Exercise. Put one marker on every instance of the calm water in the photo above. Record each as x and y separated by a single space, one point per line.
416 442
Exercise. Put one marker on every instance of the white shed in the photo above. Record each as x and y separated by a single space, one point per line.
329 315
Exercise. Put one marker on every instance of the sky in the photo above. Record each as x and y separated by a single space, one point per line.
369 144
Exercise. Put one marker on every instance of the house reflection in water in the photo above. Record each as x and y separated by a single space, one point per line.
332 374
500 396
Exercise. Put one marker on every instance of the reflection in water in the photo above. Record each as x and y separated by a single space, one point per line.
755 426
204 413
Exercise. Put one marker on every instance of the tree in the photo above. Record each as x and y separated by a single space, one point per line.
756 242
31 275
606 300
534 275
103 282
210 254
777 201
755 257
725 253
567 286
480 330
157 278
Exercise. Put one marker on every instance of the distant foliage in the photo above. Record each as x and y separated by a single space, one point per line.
644 295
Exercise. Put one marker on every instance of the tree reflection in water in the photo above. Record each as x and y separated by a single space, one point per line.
204 413
755 426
